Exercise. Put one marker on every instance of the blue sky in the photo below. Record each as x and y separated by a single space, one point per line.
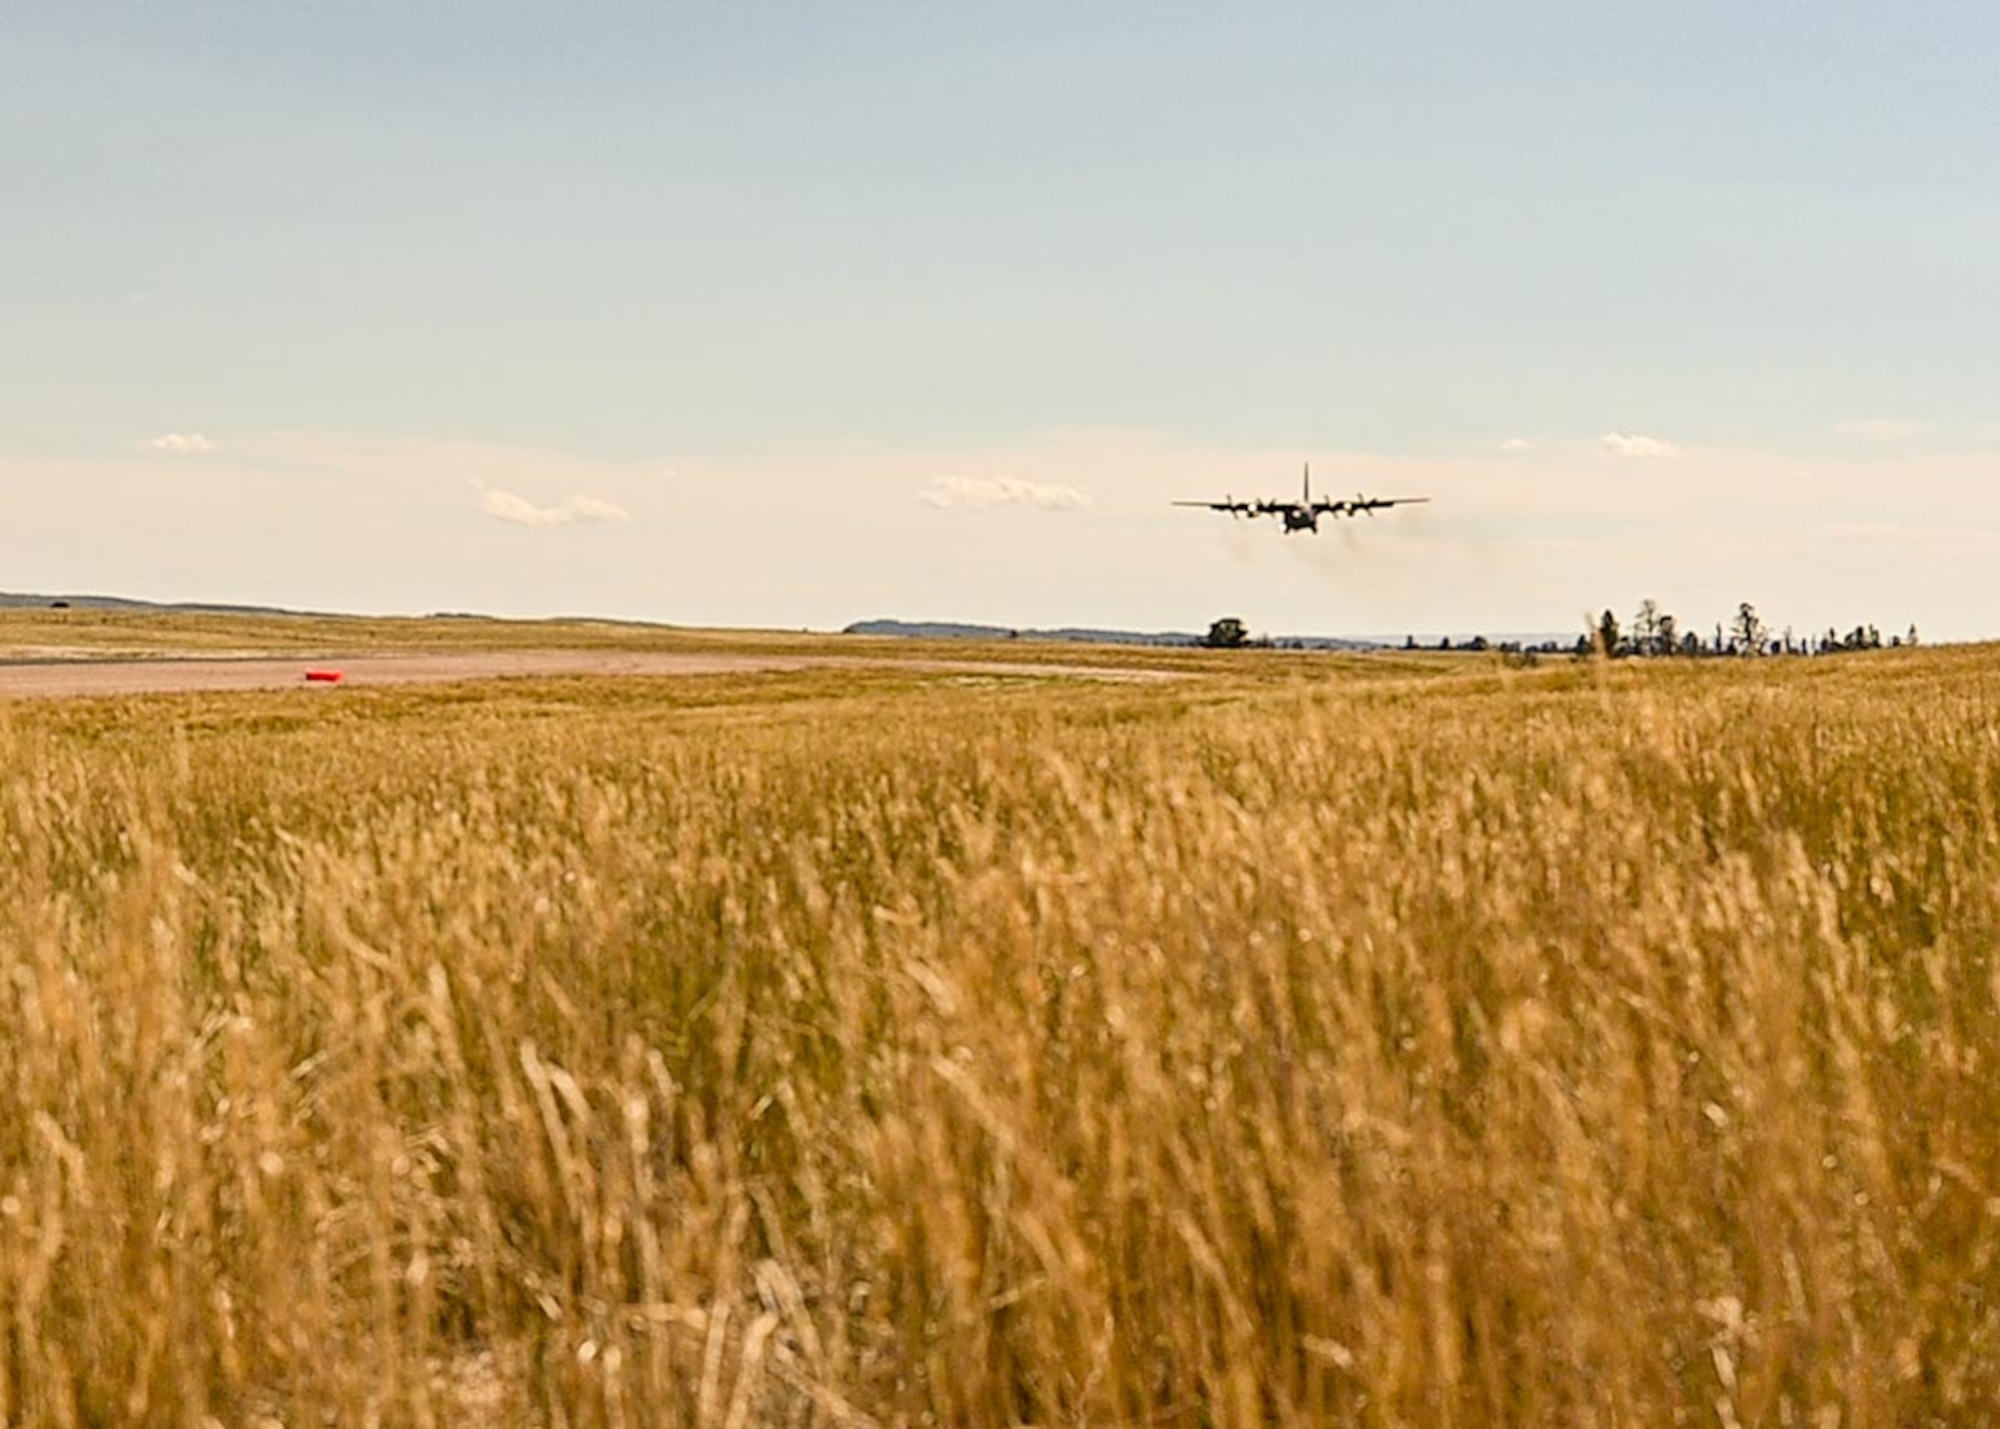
787 315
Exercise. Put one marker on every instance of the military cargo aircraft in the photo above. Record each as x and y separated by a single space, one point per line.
1304 514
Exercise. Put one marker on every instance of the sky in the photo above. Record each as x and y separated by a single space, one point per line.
786 315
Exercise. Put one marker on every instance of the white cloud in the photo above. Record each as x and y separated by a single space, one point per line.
180 444
1619 444
981 491
589 508
506 506
1879 429
1514 446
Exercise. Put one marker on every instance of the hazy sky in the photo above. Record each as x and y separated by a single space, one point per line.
775 314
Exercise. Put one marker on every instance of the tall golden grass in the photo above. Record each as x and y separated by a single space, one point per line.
1568 1046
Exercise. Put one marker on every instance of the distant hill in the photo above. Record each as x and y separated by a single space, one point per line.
12 600
911 629
951 630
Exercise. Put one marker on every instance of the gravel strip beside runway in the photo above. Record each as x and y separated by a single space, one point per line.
69 678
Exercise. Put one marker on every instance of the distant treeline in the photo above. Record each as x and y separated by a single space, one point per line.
1657 634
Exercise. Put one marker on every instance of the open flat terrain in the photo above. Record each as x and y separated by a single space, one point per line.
847 1033
82 653
70 673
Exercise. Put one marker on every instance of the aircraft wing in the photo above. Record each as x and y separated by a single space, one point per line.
1353 506
1237 508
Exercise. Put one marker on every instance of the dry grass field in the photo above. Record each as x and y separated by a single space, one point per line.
1304 1041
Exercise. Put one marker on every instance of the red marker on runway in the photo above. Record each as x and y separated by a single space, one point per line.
324 677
